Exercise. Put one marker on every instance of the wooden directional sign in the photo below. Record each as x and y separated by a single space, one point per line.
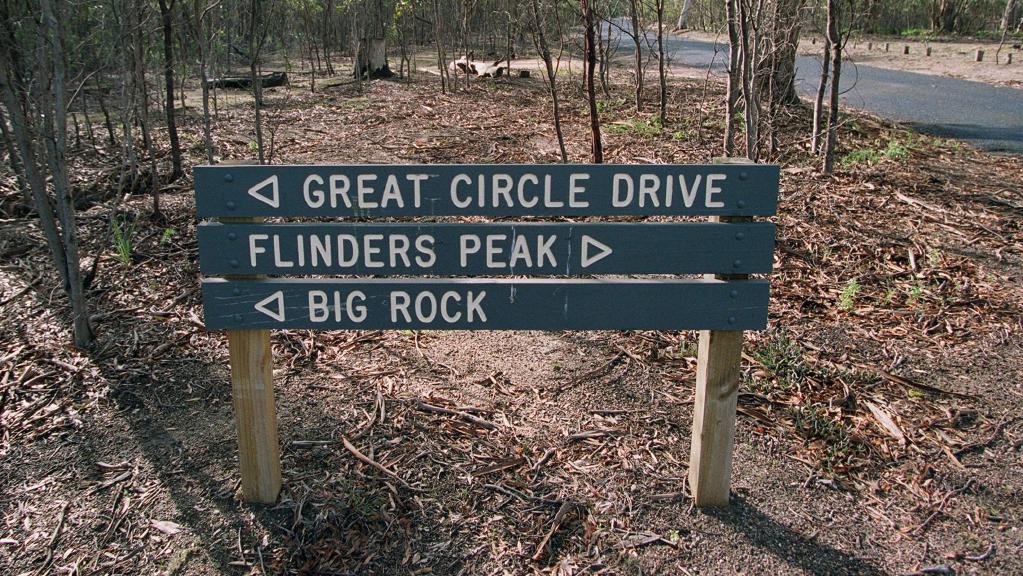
486 304
243 250
494 190
485 249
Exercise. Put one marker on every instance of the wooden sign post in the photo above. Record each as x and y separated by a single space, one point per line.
718 362
242 251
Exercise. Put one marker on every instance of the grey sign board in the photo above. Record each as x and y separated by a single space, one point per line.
486 304
485 249
486 190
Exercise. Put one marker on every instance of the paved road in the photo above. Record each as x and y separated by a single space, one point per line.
986 116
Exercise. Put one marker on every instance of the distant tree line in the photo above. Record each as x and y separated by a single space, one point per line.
966 17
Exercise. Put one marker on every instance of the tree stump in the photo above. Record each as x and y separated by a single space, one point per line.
373 59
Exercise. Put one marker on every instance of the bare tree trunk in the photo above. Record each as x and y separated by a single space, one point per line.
442 65
637 36
257 82
545 53
750 43
166 16
683 16
590 58
202 36
733 89
106 113
328 20
785 37
661 72
1010 7
56 146
88 121
836 72
818 103
513 21
139 64
15 160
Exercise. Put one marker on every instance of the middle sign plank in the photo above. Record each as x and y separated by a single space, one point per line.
485 249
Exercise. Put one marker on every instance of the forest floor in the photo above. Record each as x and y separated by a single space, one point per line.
881 414
953 57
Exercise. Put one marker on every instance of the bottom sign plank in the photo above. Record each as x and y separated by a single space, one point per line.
486 304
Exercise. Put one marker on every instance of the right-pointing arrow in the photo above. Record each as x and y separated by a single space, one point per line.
277 299
603 250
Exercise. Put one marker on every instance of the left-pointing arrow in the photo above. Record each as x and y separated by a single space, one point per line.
258 192
277 300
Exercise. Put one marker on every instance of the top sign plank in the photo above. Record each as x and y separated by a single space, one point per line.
486 190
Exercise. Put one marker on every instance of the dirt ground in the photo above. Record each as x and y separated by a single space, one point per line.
954 58
880 427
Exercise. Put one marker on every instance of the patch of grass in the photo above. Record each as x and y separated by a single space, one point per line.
784 358
838 449
168 233
861 156
896 151
606 105
636 127
680 135
360 103
915 294
893 150
916 33
124 232
847 299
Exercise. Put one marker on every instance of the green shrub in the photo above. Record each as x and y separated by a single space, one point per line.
123 234
847 300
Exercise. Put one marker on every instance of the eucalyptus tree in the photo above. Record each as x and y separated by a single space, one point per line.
33 79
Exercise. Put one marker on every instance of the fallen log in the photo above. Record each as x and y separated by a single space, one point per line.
271 80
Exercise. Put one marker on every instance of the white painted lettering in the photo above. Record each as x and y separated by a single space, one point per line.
399 303
621 190
365 189
313 196
712 190
454 191
467 244
575 189
254 249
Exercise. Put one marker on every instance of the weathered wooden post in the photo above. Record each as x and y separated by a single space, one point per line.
717 391
905 50
928 50
252 393
979 55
